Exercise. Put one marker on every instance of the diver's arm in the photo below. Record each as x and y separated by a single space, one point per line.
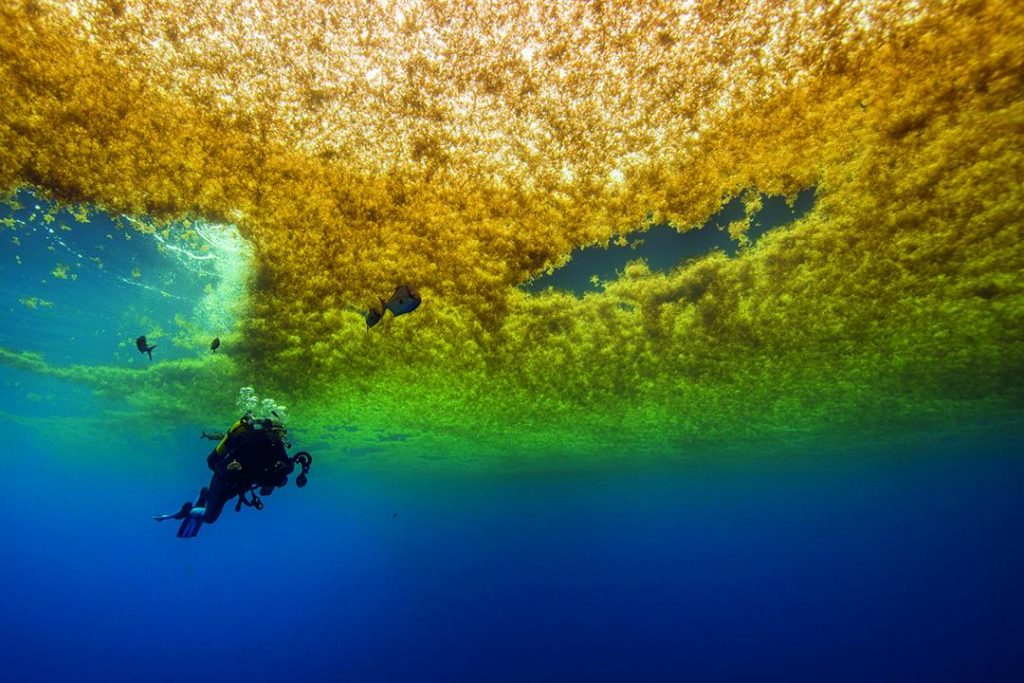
281 457
223 449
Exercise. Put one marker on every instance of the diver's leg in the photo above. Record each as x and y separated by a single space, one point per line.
217 495
180 514
193 519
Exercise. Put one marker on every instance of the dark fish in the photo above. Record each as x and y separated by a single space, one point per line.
404 300
141 345
215 344
212 436
374 315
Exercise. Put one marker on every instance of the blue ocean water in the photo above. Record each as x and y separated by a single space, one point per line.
883 566
869 564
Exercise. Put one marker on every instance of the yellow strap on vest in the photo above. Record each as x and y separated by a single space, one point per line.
235 428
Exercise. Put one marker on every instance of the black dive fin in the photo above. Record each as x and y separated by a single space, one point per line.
190 526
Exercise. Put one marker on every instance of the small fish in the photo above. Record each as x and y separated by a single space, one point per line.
404 300
141 345
215 344
212 436
375 315
394 515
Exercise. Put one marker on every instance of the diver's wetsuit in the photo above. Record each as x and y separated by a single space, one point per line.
251 455
245 457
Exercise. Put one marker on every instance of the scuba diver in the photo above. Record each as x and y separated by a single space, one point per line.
251 457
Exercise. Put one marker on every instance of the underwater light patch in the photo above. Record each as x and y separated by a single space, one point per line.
79 285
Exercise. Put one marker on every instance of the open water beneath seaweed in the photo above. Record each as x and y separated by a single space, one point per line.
879 564
885 566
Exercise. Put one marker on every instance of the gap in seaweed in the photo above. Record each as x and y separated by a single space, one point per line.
664 248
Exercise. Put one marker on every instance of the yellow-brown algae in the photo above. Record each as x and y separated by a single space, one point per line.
468 147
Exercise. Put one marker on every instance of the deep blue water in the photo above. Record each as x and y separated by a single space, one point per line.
871 566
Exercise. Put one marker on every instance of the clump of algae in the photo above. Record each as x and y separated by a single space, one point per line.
466 148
